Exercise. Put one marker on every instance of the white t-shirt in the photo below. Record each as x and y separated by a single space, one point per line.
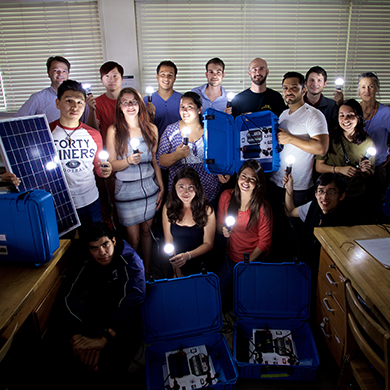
79 159
305 123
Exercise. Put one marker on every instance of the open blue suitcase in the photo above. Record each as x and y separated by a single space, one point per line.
180 314
28 227
229 141
272 304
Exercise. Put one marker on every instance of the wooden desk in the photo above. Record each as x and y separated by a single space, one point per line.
370 279
23 289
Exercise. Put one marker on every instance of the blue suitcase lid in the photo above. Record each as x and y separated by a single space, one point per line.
272 290
228 142
182 307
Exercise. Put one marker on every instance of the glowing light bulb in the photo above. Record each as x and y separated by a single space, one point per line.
87 88
230 221
149 91
339 82
169 249
290 160
371 151
134 142
230 97
186 133
103 155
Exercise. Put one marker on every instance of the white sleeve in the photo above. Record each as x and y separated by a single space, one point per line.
303 210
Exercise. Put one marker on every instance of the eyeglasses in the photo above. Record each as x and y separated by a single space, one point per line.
329 192
129 103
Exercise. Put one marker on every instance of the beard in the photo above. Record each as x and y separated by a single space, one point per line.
293 100
259 81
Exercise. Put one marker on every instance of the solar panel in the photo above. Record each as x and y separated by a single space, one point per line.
28 150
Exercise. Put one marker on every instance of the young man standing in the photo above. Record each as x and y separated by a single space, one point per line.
78 147
102 109
164 107
101 116
304 133
258 97
44 102
212 93
315 82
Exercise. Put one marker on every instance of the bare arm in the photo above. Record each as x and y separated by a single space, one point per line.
92 120
167 160
322 167
157 170
318 144
290 210
208 242
119 165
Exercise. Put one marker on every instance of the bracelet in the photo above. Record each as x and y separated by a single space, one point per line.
334 168
189 254
127 160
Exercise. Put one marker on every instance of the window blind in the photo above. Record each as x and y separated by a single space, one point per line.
289 35
31 33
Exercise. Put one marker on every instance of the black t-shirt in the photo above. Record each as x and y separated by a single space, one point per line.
248 101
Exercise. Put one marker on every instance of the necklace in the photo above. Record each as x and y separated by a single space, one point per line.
68 135
374 109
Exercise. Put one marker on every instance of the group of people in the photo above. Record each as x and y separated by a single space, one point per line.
156 162
151 140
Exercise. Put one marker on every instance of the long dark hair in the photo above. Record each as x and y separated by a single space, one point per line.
259 196
197 101
359 135
199 205
122 133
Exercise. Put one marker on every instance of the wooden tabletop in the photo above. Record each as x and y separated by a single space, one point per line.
19 286
369 277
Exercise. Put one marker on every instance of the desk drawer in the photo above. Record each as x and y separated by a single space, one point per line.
332 338
332 278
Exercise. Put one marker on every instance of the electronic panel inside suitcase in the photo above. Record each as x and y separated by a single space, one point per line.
182 321
273 339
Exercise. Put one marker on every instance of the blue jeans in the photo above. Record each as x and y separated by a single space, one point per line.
89 215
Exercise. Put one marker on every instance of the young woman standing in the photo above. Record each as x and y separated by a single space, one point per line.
138 186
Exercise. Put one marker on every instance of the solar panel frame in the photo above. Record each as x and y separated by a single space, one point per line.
27 146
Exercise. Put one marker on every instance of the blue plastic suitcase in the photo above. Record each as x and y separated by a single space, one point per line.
180 316
228 142
28 227
273 339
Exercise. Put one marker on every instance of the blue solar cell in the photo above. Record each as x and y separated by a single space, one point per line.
27 147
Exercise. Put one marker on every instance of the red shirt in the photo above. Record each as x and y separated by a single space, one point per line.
242 239
105 114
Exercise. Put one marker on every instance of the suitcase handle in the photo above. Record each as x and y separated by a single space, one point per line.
10 186
288 370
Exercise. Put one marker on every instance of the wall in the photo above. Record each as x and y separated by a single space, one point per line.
119 36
